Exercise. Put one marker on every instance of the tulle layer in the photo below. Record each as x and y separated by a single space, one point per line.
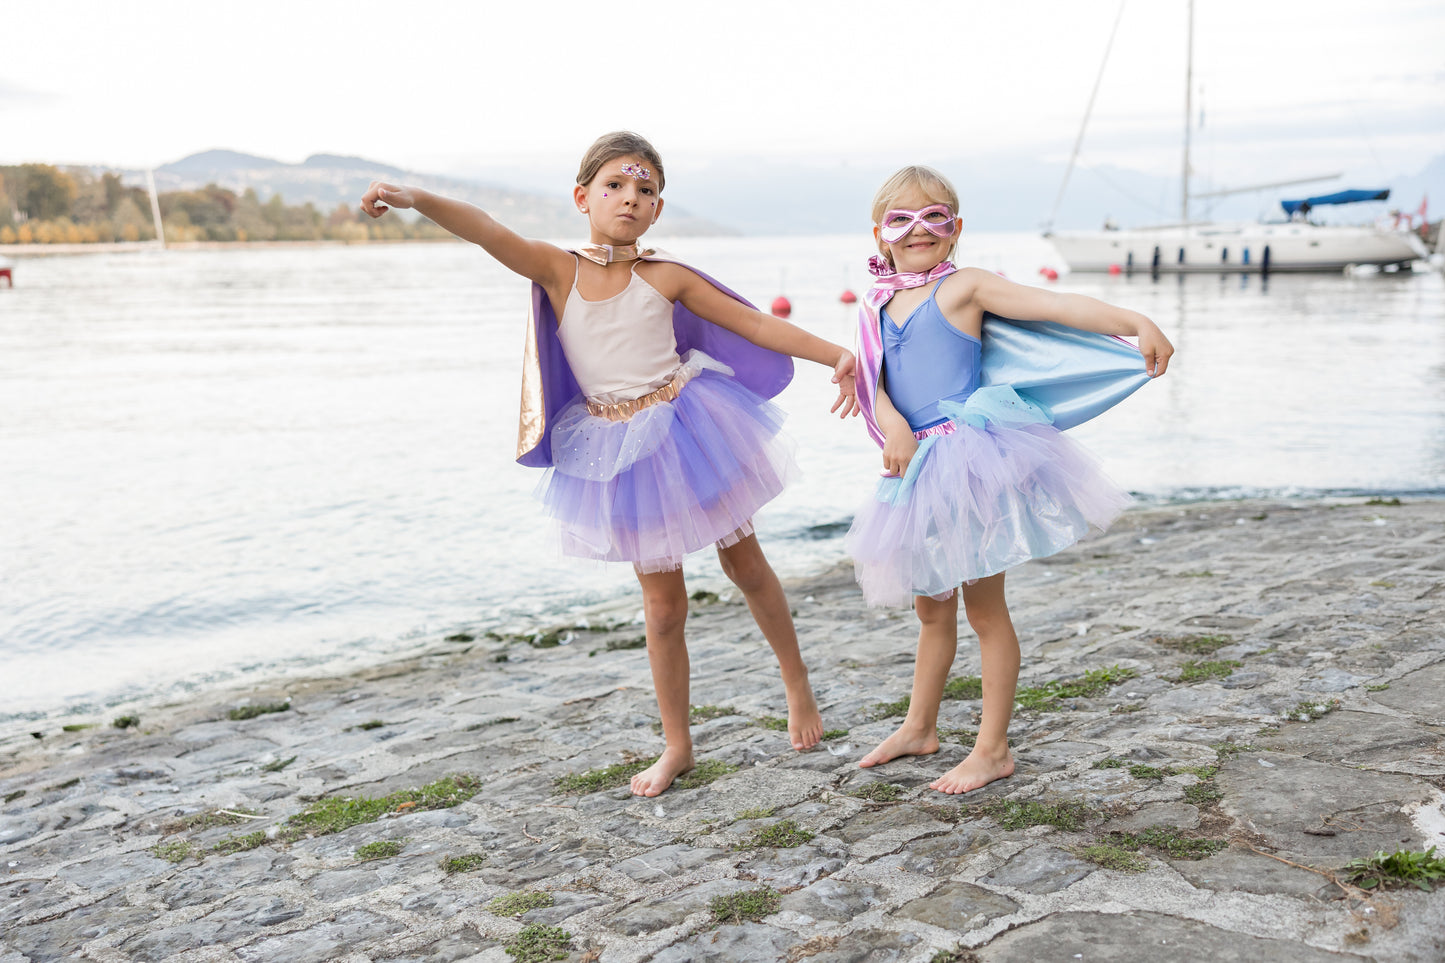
975 502
675 477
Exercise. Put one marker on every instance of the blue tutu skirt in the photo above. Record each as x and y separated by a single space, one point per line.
994 486
675 477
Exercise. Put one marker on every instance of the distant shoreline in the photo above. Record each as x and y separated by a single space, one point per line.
130 247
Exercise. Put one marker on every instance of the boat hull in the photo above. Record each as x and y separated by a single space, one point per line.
1235 248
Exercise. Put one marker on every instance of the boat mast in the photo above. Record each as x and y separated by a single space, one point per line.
1188 110
156 208
1084 124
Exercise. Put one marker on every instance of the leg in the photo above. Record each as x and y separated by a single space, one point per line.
998 647
937 643
743 562
664 606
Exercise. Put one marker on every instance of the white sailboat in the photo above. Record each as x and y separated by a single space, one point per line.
1293 244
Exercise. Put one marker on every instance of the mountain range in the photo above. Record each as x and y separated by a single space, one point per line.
327 180
768 196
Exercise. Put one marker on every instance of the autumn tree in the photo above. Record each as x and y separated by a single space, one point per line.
45 192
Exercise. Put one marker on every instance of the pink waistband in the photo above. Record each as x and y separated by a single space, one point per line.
942 428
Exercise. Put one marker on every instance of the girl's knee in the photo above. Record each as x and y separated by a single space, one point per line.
931 611
989 620
745 565
664 614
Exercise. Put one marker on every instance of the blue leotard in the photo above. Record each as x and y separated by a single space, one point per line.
927 360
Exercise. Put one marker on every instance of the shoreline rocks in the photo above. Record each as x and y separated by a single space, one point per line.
1221 705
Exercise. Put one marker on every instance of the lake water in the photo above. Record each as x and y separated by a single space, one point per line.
220 464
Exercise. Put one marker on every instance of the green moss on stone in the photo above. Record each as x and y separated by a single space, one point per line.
333 814
1178 845
699 714
515 904
1311 709
784 834
705 772
878 792
260 709
463 864
1404 867
175 852
1194 644
884 710
607 777
1203 793
381 849
747 906
1014 814
963 687
1046 697
240 844
1195 671
1112 857
539 944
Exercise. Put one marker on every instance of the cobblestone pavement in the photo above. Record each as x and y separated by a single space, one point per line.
1221 706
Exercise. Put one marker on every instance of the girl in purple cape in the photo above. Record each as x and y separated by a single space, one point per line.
645 395
978 477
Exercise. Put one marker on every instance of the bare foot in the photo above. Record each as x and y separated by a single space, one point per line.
904 742
979 769
658 776
805 725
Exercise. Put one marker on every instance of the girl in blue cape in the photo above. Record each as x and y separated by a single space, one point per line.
968 409
645 395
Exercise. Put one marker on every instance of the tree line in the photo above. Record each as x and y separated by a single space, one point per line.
41 204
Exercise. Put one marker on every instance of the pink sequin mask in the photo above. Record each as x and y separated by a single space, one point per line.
937 219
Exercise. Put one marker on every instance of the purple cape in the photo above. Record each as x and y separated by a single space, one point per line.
548 384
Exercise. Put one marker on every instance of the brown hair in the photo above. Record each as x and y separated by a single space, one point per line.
619 143
933 185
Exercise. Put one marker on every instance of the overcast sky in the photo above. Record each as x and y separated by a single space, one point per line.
1287 87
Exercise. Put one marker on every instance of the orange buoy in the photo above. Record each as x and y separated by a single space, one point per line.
848 297
1049 273
782 307
1115 269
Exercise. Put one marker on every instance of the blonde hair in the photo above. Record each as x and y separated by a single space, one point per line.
619 143
934 186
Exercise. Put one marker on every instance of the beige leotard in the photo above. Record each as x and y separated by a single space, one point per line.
622 347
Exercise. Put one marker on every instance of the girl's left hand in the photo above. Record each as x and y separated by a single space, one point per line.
847 386
1156 350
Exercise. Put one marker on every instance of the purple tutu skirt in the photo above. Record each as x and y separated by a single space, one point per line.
676 477
996 490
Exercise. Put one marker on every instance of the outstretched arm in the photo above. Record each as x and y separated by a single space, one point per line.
535 260
989 292
764 330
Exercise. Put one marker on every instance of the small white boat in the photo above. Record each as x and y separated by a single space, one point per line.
1195 247
1237 247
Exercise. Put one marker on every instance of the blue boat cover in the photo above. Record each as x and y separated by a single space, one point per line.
1339 197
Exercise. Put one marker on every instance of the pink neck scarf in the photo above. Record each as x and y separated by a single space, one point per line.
870 337
890 280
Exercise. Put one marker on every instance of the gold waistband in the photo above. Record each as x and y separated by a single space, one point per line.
624 410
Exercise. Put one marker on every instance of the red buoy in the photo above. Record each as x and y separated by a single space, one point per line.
1115 269
848 297
782 307
1049 273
